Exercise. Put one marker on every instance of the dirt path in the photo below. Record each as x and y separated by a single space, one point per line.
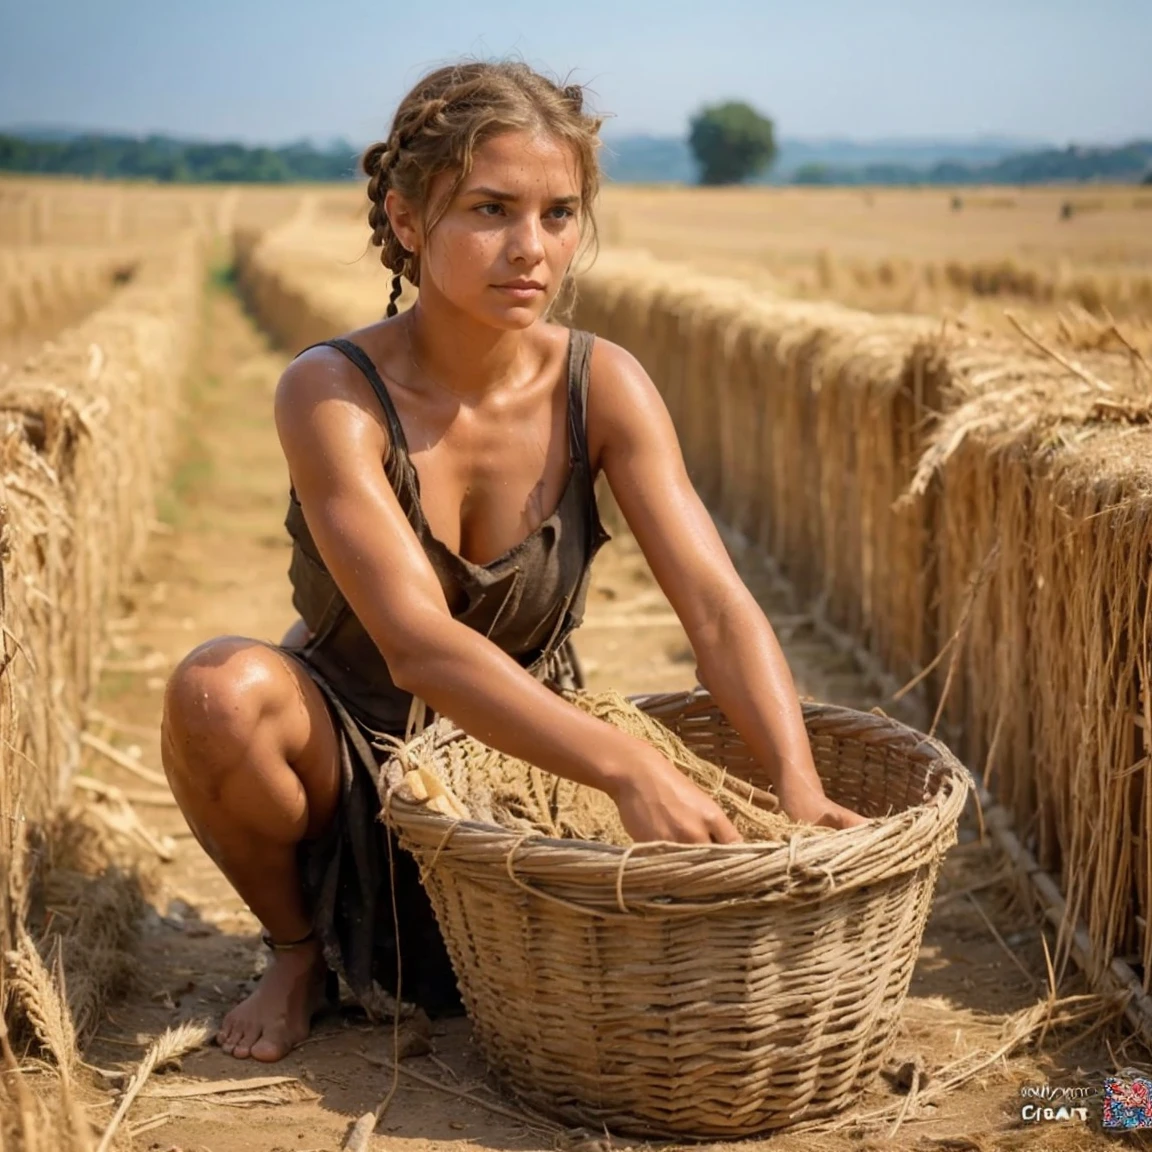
220 566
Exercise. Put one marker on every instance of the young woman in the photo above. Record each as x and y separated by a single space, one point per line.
442 465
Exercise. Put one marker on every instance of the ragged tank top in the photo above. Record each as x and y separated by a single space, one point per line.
527 601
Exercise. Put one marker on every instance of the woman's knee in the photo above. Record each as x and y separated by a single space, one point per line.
241 715
220 694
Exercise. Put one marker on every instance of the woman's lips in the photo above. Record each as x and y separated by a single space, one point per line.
520 291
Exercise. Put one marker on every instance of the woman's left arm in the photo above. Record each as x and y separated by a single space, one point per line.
739 660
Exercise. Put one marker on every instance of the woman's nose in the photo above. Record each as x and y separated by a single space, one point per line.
527 244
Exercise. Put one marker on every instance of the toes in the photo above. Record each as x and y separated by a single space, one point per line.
248 1036
226 1037
268 1052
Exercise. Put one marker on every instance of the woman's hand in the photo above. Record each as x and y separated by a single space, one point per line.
657 802
811 806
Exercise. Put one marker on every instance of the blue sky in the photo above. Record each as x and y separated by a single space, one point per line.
264 71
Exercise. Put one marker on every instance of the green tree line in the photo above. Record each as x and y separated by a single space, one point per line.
1128 163
729 143
732 142
166 160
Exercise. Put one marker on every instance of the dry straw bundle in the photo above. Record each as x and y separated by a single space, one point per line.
685 990
310 280
85 431
42 289
518 796
971 509
801 424
1041 475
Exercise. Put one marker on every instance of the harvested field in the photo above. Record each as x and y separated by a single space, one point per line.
904 249
224 571
956 508
82 214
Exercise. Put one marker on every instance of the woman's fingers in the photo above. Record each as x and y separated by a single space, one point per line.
724 831
838 816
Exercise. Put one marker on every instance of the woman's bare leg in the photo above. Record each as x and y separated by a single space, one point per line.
252 757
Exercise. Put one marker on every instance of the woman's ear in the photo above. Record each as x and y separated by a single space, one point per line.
403 219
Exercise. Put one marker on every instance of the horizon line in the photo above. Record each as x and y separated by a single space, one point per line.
975 138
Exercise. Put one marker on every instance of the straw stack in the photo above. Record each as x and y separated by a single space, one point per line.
85 431
1043 542
43 289
311 279
970 509
801 424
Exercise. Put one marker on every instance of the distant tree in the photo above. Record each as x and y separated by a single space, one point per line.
731 142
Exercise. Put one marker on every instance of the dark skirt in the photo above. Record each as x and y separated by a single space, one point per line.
363 890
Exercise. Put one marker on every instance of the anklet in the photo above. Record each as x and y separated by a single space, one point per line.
266 938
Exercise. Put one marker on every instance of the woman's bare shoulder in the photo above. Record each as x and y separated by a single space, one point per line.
616 377
323 396
315 375
323 371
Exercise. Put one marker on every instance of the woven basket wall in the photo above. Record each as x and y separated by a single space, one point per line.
720 990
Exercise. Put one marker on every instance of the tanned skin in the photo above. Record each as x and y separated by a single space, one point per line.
478 378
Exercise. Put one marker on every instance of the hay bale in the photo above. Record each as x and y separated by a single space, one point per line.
1043 540
44 289
311 279
970 508
801 424
86 427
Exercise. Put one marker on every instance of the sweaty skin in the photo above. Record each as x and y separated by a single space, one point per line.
478 380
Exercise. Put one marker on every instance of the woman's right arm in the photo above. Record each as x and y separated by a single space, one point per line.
334 443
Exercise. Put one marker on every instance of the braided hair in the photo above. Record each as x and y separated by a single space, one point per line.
438 127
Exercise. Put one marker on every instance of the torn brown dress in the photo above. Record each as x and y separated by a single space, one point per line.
527 601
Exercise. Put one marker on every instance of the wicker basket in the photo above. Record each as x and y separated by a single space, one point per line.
670 990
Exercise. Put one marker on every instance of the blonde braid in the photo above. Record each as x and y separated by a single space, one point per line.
377 164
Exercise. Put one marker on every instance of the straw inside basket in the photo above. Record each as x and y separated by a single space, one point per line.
468 780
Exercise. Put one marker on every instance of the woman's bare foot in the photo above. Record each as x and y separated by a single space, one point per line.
278 1015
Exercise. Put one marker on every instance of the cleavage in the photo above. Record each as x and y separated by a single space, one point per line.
509 491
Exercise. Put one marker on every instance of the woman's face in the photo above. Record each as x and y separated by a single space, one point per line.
501 250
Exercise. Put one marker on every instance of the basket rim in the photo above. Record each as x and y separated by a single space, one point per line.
666 877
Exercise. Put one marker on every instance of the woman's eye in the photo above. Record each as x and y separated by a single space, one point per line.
482 208
562 213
